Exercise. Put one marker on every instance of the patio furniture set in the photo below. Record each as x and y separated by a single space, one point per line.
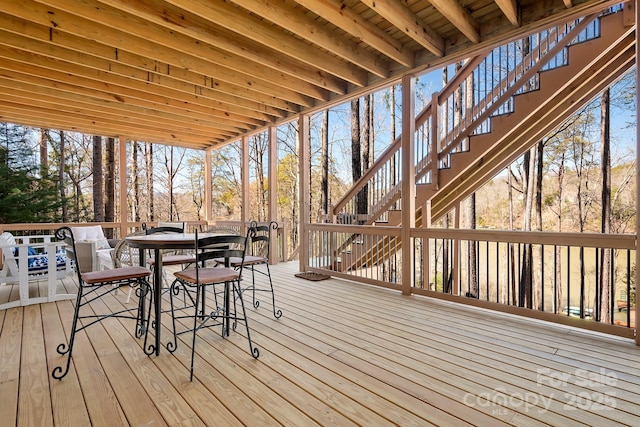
209 264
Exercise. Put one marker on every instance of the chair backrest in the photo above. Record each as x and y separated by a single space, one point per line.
65 234
216 247
222 230
90 233
181 225
164 229
125 255
9 263
259 238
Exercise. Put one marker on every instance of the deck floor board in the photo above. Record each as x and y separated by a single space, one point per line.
342 354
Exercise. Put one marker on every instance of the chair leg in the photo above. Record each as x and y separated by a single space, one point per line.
276 313
58 372
172 346
255 352
141 292
195 330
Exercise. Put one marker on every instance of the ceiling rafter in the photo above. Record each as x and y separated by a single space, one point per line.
510 10
174 21
407 21
342 17
459 17
297 22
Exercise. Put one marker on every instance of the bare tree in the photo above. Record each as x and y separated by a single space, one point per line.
110 186
356 162
605 167
44 154
61 183
135 208
148 155
324 185
98 183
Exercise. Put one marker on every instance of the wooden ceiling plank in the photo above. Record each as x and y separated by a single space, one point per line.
178 50
238 53
409 23
142 124
126 73
106 92
343 17
52 119
206 32
48 39
43 94
510 10
30 90
459 17
568 3
76 74
296 21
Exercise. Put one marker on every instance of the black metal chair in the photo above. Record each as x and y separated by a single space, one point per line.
196 281
93 285
257 260
173 258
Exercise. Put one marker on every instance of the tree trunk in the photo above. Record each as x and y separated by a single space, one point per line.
110 186
44 154
605 258
527 255
324 154
539 175
366 151
136 181
558 255
98 182
356 164
149 173
63 195
511 257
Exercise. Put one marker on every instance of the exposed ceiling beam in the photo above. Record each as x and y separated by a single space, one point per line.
459 17
130 34
226 16
510 10
408 22
297 22
335 12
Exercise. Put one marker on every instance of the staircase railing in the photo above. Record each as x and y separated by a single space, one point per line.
504 72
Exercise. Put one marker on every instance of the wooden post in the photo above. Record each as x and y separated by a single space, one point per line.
456 253
426 260
208 213
637 15
303 168
408 181
122 170
435 143
273 192
246 200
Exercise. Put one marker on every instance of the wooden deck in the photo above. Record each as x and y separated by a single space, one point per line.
342 354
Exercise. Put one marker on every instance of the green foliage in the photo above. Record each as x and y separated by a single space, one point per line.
27 193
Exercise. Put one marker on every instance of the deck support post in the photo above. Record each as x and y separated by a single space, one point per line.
304 188
246 200
208 176
273 192
122 171
408 181
637 278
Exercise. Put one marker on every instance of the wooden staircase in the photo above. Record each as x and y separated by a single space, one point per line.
592 66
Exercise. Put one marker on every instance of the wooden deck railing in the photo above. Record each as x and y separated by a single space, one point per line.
558 286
